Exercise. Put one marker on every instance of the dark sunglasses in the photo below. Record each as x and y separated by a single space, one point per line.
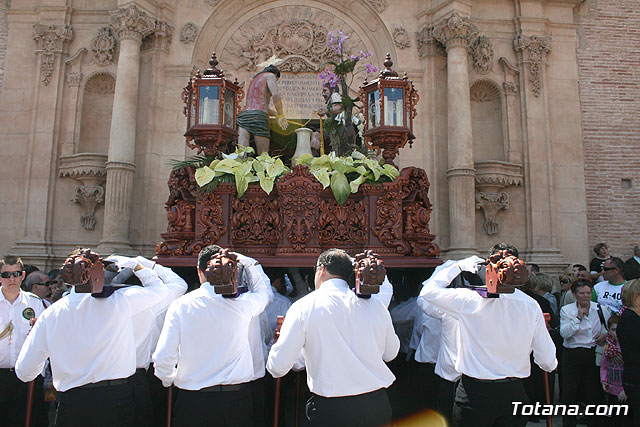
608 268
47 284
564 281
7 274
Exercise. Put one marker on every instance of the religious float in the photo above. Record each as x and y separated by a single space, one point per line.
284 211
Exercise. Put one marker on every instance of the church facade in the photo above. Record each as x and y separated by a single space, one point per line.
527 120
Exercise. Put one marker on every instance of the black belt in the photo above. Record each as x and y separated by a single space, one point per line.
499 380
105 383
224 387
141 371
7 369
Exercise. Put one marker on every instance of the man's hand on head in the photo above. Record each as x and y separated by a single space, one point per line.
472 264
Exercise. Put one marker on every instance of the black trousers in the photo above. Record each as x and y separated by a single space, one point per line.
108 405
142 399
13 401
215 408
363 410
446 396
581 381
633 400
488 403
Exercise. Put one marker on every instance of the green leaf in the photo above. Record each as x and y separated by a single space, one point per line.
267 184
375 167
322 161
322 175
355 184
304 159
259 167
265 158
241 185
226 165
340 187
390 171
361 170
357 155
276 169
204 175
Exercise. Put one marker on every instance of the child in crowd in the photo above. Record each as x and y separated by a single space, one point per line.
611 372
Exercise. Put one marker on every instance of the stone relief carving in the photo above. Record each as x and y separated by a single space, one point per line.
536 48
74 79
101 84
88 196
103 46
484 91
510 88
401 38
491 203
297 34
188 33
455 31
131 22
378 5
213 3
482 54
427 45
50 40
160 38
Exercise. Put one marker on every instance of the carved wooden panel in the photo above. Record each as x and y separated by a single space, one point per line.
345 225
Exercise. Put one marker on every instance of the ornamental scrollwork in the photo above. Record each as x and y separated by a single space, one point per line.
255 220
401 38
343 225
379 5
482 54
188 33
88 196
131 22
455 31
491 203
103 47
536 49
50 40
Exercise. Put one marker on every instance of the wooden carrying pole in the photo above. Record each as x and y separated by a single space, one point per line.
169 402
276 397
30 391
547 393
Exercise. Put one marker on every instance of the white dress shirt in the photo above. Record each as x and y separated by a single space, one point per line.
89 339
344 339
18 314
403 316
497 335
148 324
208 336
425 338
277 307
449 343
581 333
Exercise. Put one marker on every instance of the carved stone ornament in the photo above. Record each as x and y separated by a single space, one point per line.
296 34
427 45
74 79
482 54
101 84
401 38
510 88
160 38
484 91
188 33
213 3
89 169
131 22
455 31
535 50
491 203
378 5
50 40
103 46
88 196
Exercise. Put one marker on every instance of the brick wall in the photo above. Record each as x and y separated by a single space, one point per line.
609 67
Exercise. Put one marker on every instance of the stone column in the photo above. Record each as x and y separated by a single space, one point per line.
456 32
131 25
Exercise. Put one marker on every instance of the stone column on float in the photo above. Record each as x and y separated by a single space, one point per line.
131 25
455 33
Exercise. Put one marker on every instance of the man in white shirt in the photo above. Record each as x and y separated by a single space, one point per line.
205 350
89 341
345 341
609 291
39 284
497 335
146 330
17 309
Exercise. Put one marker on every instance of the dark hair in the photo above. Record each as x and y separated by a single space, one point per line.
617 263
512 250
578 284
11 260
337 262
33 278
534 267
580 267
614 318
273 70
205 256
599 246
53 274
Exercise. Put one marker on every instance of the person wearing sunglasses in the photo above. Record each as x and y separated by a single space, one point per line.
17 311
38 283
609 291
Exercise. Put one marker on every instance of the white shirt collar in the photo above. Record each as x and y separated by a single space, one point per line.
334 284
637 259
21 297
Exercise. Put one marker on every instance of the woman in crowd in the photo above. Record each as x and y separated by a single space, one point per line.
629 337
595 266
582 326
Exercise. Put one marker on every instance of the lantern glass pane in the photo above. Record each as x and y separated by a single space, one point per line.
393 106
209 105
373 104
229 107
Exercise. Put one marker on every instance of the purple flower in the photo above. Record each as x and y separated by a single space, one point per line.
370 68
